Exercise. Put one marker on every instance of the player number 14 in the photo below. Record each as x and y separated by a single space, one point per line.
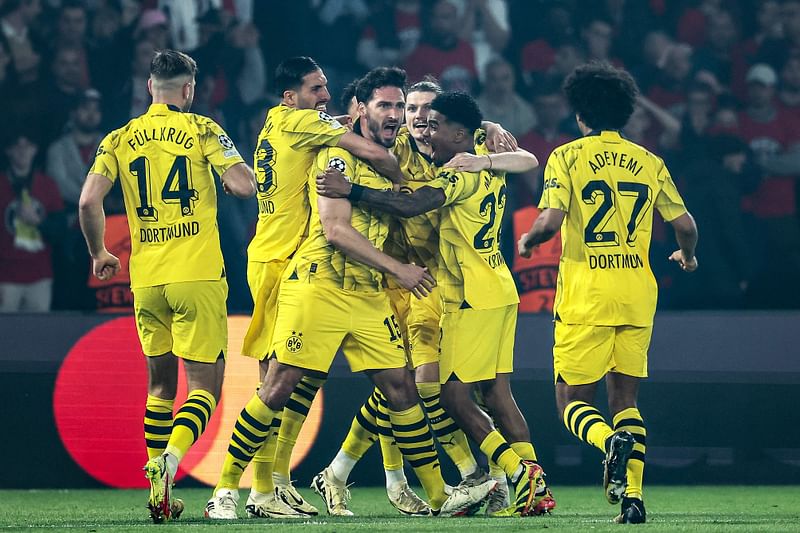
176 190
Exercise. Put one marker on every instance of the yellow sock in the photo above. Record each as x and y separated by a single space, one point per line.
190 422
498 451
363 430
631 420
157 425
264 459
495 472
415 440
392 456
250 432
451 438
294 415
586 423
524 450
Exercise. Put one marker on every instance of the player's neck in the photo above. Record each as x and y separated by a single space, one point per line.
169 100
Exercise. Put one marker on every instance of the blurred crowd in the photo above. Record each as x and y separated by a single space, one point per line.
720 101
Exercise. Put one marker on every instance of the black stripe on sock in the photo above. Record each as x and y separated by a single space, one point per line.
432 398
246 433
159 444
366 424
629 422
452 428
588 425
250 419
637 455
156 415
305 394
576 421
189 424
414 426
239 454
504 447
157 430
641 439
199 413
571 410
200 402
416 463
371 409
245 447
418 450
416 439
297 407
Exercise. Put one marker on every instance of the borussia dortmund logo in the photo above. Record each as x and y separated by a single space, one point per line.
294 343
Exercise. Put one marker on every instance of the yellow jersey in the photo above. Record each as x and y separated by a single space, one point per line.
164 160
608 187
284 154
317 261
472 271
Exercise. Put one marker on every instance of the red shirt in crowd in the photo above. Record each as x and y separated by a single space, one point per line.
18 265
454 68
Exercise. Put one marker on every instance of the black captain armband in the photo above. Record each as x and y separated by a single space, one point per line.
355 192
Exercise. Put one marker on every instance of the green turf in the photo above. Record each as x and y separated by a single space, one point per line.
705 508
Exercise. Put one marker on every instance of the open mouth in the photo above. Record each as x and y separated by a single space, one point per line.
390 129
322 106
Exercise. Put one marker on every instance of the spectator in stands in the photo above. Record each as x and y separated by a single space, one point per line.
65 89
16 25
654 48
551 110
721 54
441 52
133 98
676 74
31 208
110 46
539 42
597 37
789 89
152 26
485 25
776 50
773 137
500 102
391 35
71 27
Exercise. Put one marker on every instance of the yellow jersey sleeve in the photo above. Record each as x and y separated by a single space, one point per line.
668 201
105 159
457 186
218 148
309 128
557 187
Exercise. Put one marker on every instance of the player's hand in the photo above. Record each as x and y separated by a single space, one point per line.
687 265
499 140
468 162
416 279
523 248
226 188
105 265
333 184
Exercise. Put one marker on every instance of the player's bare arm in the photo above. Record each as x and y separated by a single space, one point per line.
686 235
335 213
239 181
517 161
333 184
544 228
105 265
382 159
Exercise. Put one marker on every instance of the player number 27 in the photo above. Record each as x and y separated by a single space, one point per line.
483 239
176 190
593 234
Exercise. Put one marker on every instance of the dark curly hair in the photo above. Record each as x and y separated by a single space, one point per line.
459 107
377 78
603 96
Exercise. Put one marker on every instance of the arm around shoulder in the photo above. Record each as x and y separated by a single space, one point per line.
382 159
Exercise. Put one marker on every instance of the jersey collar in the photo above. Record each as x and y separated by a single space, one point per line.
609 135
161 108
415 148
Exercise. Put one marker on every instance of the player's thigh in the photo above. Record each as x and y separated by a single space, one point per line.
474 343
400 302
631 345
264 281
424 329
582 353
153 316
311 323
199 319
375 340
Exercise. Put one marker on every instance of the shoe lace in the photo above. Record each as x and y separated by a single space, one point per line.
497 498
409 498
339 495
227 502
293 491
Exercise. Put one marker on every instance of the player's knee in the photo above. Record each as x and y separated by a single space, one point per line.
275 395
400 396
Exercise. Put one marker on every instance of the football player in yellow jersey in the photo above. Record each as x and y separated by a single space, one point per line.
164 160
336 274
417 239
478 291
293 133
600 190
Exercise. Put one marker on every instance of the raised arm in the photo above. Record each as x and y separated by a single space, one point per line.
686 235
544 228
335 213
382 159
93 224
239 181
333 184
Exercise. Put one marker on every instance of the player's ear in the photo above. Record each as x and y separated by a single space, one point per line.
361 107
150 86
290 97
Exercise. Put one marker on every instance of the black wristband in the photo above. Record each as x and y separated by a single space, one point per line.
355 192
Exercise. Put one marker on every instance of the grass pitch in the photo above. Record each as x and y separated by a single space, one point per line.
679 508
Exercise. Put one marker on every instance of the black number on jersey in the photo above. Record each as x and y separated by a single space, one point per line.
394 328
489 207
177 188
265 174
591 235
